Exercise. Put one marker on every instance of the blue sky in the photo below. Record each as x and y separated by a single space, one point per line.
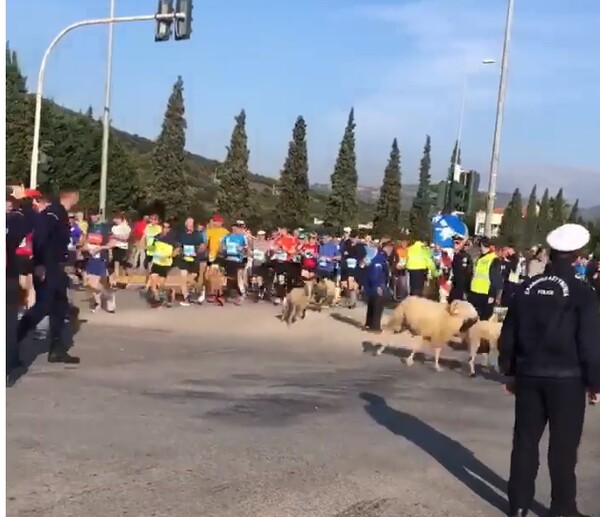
400 63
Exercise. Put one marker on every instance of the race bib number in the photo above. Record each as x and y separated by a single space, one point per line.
258 255
189 250
351 262
282 255
323 263
232 248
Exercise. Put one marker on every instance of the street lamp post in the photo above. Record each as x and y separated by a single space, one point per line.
106 116
462 112
181 17
491 194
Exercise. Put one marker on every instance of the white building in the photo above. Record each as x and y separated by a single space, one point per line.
496 222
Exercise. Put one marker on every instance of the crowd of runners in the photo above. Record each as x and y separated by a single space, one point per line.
197 263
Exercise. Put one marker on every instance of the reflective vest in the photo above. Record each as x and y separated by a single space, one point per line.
417 257
480 283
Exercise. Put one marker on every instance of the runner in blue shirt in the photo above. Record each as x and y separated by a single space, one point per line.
234 248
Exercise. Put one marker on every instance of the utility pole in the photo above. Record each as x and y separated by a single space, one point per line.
491 194
106 116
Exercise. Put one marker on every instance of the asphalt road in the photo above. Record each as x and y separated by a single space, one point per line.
225 412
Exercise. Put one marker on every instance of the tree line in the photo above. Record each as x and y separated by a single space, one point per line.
527 226
162 176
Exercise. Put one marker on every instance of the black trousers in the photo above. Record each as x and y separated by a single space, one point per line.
51 300
561 404
456 293
484 308
12 320
375 306
416 281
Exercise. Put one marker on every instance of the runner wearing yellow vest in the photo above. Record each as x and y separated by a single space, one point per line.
418 263
486 283
165 247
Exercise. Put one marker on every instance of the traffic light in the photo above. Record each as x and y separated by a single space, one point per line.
163 27
183 26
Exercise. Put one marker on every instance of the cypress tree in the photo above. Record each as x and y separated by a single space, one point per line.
512 221
342 205
166 181
530 222
543 226
420 211
292 203
387 213
233 196
558 209
574 214
19 121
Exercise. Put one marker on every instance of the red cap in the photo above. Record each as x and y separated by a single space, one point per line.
217 218
30 192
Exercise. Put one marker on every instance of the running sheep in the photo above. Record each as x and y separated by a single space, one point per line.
435 322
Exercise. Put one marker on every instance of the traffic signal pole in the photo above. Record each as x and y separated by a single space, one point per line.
35 152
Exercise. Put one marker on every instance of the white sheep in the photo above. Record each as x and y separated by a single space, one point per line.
435 322
488 331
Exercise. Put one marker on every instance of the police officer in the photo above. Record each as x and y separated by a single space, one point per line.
486 283
19 223
549 351
462 267
51 236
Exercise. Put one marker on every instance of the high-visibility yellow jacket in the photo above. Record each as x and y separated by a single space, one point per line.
481 282
419 258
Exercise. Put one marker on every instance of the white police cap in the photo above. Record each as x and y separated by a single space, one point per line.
568 237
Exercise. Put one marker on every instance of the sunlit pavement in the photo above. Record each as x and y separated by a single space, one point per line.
207 411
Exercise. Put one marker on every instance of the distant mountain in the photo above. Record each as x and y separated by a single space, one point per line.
371 194
591 213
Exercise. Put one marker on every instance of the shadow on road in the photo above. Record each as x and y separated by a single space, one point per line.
31 348
450 454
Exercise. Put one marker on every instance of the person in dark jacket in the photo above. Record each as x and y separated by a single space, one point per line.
19 223
550 352
377 276
462 269
51 237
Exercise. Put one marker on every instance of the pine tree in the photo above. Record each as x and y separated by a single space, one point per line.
233 197
386 222
530 222
543 226
558 209
166 181
574 214
512 221
292 203
420 211
342 205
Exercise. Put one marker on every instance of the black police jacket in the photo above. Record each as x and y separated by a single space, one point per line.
51 236
462 270
552 329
